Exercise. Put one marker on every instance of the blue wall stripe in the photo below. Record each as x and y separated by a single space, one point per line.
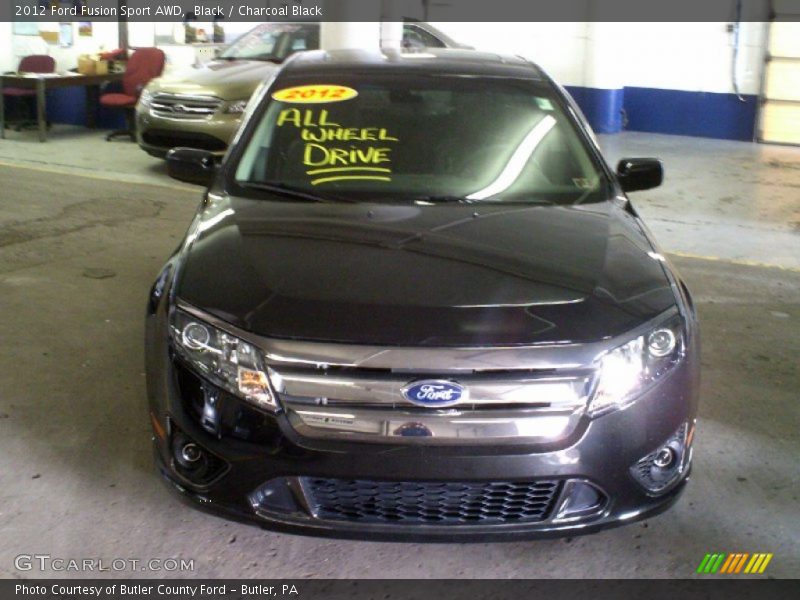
677 112
681 112
603 108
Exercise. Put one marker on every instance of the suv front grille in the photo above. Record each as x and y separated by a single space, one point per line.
434 503
182 107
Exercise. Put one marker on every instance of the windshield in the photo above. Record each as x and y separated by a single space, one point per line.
273 42
420 138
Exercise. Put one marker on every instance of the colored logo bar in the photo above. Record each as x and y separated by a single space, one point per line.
734 563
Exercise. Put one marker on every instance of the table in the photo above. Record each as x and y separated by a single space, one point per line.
44 82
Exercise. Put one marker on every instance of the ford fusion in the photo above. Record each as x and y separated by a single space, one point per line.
415 303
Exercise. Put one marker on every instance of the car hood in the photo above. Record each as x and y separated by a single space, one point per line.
226 79
446 275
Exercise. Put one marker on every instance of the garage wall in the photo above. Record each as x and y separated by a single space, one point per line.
64 105
666 77
104 35
659 77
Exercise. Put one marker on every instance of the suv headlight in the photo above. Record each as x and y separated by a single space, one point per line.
236 108
145 98
628 370
223 359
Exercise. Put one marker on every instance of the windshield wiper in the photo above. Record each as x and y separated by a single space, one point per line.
290 192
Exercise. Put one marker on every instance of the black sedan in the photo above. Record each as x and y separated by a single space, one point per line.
415 303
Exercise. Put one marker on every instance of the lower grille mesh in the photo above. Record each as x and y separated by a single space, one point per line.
174 139
437 503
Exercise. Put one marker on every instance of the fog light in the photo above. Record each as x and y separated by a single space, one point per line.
191 453
662 468
188 455
193 462
665 457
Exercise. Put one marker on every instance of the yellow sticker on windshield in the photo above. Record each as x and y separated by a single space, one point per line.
315 94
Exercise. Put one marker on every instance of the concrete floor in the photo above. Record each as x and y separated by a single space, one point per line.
84 227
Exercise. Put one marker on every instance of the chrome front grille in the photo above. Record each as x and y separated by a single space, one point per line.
368 405
534 394
184 107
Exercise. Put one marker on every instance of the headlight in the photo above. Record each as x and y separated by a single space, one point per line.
629 369
145 98
223 359
236 108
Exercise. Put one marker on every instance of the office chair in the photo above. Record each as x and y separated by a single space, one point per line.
35 63
143 65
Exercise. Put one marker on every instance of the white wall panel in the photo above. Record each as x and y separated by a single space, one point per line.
349 33
104 36
680 56
7 60
558 47
693 56
605 56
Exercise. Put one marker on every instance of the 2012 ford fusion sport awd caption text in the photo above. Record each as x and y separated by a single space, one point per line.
415 303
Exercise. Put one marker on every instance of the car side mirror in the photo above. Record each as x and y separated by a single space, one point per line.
640 173
191 165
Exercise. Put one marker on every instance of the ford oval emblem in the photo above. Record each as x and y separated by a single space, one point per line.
434 392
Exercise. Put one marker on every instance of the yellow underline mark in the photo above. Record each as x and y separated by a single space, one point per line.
342 169
111 176
343 177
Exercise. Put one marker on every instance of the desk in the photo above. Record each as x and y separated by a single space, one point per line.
42 83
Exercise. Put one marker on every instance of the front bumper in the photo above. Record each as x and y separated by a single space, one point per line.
645 508
261 470
601 452
157 135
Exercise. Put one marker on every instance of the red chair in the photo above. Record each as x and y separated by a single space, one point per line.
143 65
35 63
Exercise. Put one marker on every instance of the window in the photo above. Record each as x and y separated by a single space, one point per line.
400 138
273 42
416 37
